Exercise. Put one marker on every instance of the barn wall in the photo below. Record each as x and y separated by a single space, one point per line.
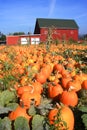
43 32
61 34
66 34
12 40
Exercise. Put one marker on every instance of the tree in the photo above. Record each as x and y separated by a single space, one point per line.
85 37
18 33
2 37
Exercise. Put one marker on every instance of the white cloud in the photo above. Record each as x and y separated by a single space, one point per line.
52 7
81 16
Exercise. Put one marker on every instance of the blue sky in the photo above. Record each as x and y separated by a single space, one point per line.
20 15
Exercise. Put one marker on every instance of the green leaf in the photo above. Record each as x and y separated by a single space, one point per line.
83 108
45 106
12 106
7 97
45 103
65 125
32 110
37 122
7 81
21 123
5 124
84 120
4 110
9 107
7 66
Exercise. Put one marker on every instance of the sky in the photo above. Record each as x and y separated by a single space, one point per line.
20 15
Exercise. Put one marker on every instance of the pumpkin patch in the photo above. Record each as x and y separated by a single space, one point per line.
43 85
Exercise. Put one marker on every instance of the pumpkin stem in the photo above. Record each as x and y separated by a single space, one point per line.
71 88
58 105
32 88
21 103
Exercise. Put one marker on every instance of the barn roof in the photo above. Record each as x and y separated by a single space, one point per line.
59 23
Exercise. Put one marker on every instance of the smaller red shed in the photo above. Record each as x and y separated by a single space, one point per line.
22 39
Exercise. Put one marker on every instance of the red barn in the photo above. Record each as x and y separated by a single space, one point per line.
63 28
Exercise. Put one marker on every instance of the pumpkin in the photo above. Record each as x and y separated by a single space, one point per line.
81 77
40 77
74 85
35 67
52 78
23 89
64 81
54 90
61 116
84 84
19 111
69 98
47 70
65 73
23 80
58 67
28 98
37 87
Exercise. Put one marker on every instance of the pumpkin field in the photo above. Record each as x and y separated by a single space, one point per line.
43 87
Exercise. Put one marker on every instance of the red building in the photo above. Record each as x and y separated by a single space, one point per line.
23 39
62 29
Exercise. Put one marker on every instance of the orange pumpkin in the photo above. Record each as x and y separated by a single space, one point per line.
64 81
74 85
84 84
54 90
23 89
19 111
47 69
63 114
58 67
37 87
52 115
23 80
40 77
69 98
28 98
65 73
81 77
